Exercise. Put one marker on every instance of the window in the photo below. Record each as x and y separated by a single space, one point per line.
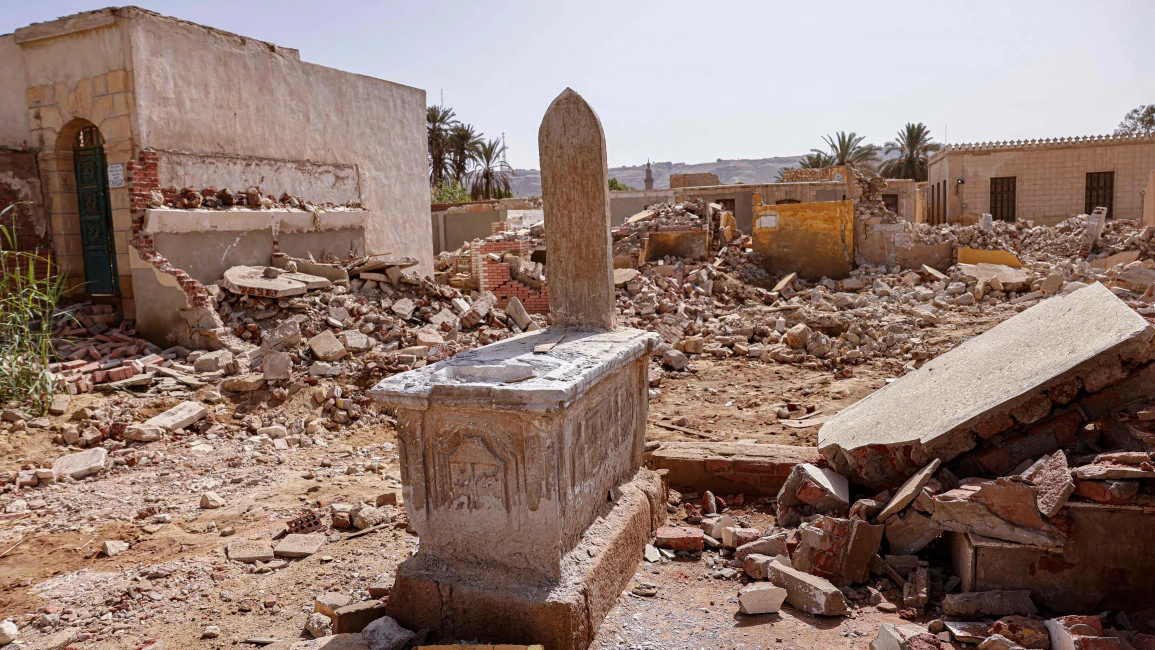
1100 192
1003 198
891 202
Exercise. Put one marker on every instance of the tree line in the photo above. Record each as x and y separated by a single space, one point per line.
463 164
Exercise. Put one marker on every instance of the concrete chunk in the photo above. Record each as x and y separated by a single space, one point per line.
808 593
760 598
298 545
1000 509
942 409
250 551
978 604
1053 483
80 464
326 347
909 490
178 417
910 531
811 490
251 280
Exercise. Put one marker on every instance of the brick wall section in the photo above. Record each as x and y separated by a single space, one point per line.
20 181
142 179
494 276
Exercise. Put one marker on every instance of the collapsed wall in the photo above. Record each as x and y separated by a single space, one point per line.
971 401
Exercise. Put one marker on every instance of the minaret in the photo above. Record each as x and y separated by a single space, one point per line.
649 177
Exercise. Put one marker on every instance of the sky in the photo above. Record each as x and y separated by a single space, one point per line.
693 81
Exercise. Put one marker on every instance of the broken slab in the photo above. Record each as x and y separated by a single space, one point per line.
947 406
1009 278
1053 483
178 417
251 280
839 550
978 604
80 464
1025 631
811 490
806 592
326 347
906 494
1000 509
760 598
249 551
298 545
909 532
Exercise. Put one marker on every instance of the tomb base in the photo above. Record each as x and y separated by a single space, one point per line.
509 608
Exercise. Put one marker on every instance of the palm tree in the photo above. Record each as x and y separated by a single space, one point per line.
463 144
490 178
913 146
847 149
438 124
816 160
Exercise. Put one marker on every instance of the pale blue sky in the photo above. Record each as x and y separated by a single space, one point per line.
693 81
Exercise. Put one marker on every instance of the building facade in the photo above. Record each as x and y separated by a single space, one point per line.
1042 181
101 112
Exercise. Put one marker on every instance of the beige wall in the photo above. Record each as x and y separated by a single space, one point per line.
210 93
1050 177
13 109
77 78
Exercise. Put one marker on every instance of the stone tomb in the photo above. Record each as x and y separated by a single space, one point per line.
520 460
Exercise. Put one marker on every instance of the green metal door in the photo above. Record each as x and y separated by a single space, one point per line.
95 215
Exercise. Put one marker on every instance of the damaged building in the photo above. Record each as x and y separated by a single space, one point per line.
159 153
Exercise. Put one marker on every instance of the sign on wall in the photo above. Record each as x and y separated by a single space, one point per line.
116 175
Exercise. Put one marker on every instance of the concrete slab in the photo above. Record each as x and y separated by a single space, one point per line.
297 545
729 467
80 464
178 417
249 551
251 280
944 408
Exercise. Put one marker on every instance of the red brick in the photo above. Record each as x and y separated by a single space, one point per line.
680 539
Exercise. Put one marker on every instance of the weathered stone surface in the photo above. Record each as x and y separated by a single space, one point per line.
806 592
211 501
1027 632
249 551
1053 483
251 280
895 637
575 193
1000 509
299 545
80 464
839 550
812 490
939 410
179 416
355 617
278 366
113 547
906 494
386 634
285 335
772 545
329 602
977 604
735 536
355 341
909 532
326 347
213 361
243 383
760 598
518 313
999 642
677 538
1080 633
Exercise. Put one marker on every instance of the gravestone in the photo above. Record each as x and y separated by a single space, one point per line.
576 198
520 460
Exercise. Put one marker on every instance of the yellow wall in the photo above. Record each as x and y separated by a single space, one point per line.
812 239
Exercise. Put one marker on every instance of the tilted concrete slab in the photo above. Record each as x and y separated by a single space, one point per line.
944 408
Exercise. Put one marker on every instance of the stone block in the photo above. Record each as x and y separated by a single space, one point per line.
329 602
355 341
677 538
978 604
1053 483
806 592
80 464
326 347
249 551
906 494
760 598
735 536
772 545
213 361
178 417
909 532
355 617
278 366
945 407
1000 509
386 634
811 490
298 545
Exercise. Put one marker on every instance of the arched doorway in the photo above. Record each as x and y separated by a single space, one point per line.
95 212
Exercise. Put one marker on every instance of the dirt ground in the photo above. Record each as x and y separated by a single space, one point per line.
175 580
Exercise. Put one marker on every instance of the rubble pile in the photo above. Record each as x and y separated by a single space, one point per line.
210 198
96 349
1082 437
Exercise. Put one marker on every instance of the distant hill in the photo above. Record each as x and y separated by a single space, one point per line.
527 182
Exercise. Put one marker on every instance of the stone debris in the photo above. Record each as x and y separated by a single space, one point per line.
812 490
978 604
760 598
1025 631
807 592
